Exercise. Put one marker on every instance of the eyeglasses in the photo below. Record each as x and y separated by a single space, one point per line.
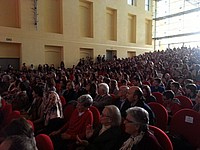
129 121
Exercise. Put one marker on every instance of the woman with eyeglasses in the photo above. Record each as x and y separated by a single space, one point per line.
108 135
136 125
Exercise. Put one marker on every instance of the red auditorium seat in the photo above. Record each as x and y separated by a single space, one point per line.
162 138
96 115
67 111
186 123
161 115
44 142
159 97
185 102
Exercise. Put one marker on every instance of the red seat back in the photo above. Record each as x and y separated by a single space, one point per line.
185 101
159 97
186 123
44 142
162 138
96 115
161 115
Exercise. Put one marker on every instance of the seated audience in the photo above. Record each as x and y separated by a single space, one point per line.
157 87
108 135
103 98
147 94
136 125
175 87
122 103
171 103
81 117
136 98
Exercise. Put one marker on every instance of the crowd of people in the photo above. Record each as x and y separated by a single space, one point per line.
120 89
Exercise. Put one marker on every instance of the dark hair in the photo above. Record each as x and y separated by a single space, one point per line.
18 126
21 143
192 87
176 85
147 88
39 90
169 94
139 93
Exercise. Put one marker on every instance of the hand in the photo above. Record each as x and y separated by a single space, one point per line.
82 142
89 131
65 136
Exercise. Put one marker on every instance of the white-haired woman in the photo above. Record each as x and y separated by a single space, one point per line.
136 125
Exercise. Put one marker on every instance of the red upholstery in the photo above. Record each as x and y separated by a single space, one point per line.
162 138
96 115
161 115
63 101
44 142
13 115
185 102
67 112
186 123
159 97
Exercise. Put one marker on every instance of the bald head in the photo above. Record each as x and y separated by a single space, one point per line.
134 94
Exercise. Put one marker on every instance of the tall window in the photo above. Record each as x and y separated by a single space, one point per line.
131 2
147 5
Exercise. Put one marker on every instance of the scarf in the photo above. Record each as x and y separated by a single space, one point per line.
128 144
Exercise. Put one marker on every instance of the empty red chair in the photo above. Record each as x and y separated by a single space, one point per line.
161 115
96 115
186 123
162 138
44 142
159 97
185 101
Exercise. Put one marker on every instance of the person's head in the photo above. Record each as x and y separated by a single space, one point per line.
136 81
175 86
84 102
136 121
124 82
134 94
113 83
110 116
197 98
17 142
21 101
157 82
168 95
38 90
190 89
70 85
146 90
103 88
18 126
123 91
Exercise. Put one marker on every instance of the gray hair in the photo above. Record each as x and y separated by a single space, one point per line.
104 87
86 100
140 116
114 114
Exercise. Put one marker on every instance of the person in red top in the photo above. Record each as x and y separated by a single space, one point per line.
65 138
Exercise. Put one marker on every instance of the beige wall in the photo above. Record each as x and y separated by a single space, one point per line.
64 29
